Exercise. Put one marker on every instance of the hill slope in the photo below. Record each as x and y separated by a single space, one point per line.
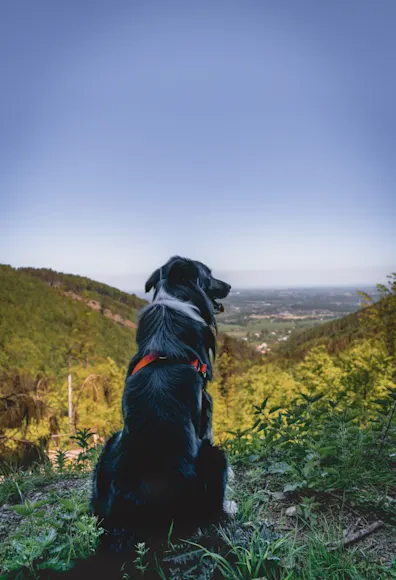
51 326
310 431
353 358
41 325
101 297
337 335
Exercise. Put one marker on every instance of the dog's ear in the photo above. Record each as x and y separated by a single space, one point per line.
182 271
153 280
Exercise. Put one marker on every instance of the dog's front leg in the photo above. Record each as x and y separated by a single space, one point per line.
102 477
211 469
229 506
206 432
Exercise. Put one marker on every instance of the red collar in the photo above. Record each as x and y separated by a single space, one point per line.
149 358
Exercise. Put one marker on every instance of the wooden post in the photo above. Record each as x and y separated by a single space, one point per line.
70 401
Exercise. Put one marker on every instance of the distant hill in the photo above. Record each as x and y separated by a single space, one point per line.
336 335
53 324
99 296
45 314
314 420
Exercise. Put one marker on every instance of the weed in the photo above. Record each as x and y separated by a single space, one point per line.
53 532
139 562
61 460
88 452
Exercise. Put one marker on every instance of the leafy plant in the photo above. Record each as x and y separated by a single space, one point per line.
139 562
87 453
255 556
54 531
61 460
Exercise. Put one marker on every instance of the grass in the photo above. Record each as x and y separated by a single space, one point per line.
46 512
306 478
52 532
337 474
18 481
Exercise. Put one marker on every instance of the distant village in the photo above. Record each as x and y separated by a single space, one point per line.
264 347
266 318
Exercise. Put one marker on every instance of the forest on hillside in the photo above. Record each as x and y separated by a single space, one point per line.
47 336
310 431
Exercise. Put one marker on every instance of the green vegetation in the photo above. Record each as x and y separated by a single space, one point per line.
266 327
306 481
338 335
45 336
52 532
357 367
310 431
276 316
117 301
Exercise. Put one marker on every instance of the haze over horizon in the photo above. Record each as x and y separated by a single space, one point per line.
256 137
246 280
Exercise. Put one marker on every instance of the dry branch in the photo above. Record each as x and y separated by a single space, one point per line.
352 538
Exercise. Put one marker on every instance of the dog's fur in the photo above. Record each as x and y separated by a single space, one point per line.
163 468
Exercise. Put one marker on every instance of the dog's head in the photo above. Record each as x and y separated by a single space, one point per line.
191 281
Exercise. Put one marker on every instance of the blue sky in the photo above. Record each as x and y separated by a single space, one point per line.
258 137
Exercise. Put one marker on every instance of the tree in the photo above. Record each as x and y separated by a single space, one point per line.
381 317
318 373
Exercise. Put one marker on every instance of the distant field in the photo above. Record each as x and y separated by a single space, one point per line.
274 315
265 328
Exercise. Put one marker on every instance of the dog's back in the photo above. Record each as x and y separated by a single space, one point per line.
162 469
147 473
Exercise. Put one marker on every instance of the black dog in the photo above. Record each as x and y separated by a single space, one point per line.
162 469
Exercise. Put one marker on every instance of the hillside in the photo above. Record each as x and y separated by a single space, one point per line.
50 327
338 335
352 358
42 325
309 430
52 324
101 297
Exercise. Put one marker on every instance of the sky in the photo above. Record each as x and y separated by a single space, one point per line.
258 137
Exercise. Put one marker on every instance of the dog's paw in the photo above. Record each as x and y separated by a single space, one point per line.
230 507
230 474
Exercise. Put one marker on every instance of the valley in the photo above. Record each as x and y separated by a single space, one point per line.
267 318
307 420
